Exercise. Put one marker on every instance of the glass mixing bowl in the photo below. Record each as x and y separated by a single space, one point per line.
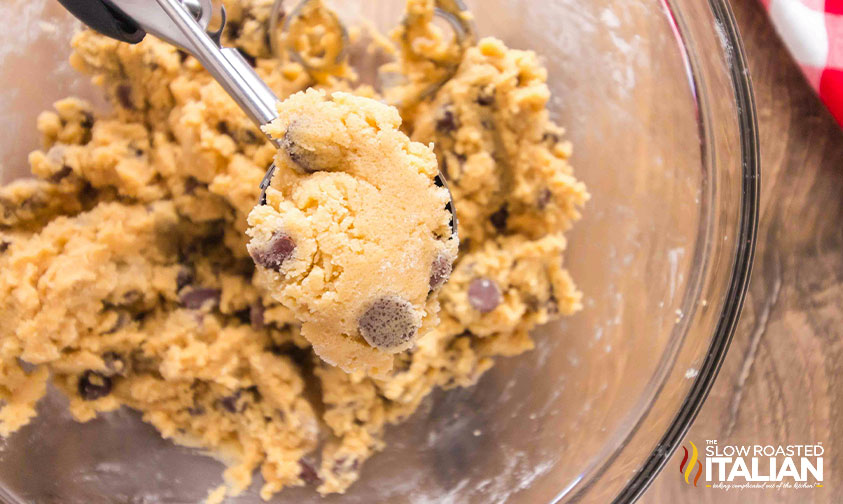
656 98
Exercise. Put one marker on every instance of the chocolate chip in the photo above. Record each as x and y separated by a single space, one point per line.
500 218
142 363
124 96
191 184
440 271
182 55
93 385
251 60
196 410
304 158
551 138
233 403
486 96
184 277
275 252
446 122
308 473
4 246
60 175
199 297
552 306
87 120
223 128
115 364
389 323
345 465
243 316
484 294
252 137
256 315
122 320
132 297
229 403
544 198
234 29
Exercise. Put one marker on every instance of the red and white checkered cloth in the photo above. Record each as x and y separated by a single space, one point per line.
813 31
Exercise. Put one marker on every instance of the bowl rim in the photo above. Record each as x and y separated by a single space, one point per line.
744 96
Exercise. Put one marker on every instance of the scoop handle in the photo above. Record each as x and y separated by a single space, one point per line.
103 17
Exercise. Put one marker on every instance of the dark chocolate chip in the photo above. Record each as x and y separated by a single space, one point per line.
484 294
196 410
142 363
256 315
252 137
122 320
551 138
304 158
115 364
500 218
248 57
4 246
184 277
552 306
229 403
440 271
182 55
87 120
132 297
93 385
544 198
60 175
234 29
124 96
191 184
256 395
446 122
274 253
223 128
389 323
195 299
345 465
233 403
308 473
486 97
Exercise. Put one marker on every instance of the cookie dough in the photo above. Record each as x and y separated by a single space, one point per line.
126 278
355 237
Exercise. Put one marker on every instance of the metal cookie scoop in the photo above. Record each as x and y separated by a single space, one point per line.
184 23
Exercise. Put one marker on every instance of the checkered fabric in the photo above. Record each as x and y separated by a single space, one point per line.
813 32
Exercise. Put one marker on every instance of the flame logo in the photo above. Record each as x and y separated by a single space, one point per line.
687 469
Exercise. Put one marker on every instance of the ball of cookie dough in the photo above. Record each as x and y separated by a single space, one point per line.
355 238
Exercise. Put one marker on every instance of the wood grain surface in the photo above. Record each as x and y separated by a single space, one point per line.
782 382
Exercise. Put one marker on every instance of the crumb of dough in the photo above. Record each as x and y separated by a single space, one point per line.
353 227
126 280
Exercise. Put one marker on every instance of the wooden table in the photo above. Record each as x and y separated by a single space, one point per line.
782 381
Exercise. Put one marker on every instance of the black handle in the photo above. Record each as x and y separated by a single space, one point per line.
103 17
